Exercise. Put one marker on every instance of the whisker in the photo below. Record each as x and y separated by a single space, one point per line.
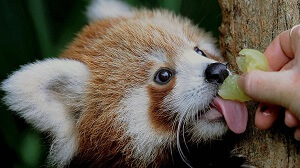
184 140
171 151
181 154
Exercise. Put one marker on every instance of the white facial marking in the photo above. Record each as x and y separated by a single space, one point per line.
209 46
203 130
157 56
145 140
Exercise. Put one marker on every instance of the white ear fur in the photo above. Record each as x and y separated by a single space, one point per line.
46 94
99 9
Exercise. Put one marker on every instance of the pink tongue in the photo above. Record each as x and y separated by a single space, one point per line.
235 114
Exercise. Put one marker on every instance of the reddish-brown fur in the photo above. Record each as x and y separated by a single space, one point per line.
112 51
162 120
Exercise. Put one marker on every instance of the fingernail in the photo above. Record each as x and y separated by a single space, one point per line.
297 138
264 110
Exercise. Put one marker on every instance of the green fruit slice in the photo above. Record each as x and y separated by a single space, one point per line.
249 60
231 90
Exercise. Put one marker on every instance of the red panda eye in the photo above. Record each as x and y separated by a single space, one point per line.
163 76
198 51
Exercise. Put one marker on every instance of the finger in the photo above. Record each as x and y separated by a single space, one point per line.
295 43
279 52
269 87
289 65
295 39
297 134
290 119
266 115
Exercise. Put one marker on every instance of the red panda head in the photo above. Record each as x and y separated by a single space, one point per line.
124 91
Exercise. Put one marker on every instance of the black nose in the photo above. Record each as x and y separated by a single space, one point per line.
216 73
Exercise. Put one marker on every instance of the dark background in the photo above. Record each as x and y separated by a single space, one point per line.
38 29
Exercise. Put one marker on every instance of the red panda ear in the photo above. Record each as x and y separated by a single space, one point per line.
48 94
101 9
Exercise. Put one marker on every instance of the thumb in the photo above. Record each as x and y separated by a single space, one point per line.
269 87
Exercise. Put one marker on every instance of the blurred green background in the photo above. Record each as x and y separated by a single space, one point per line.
37 29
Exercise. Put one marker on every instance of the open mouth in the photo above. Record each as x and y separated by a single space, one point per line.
235 114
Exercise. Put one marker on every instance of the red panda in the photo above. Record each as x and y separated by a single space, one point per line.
127 91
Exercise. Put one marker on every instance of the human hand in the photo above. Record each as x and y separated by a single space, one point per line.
280 87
